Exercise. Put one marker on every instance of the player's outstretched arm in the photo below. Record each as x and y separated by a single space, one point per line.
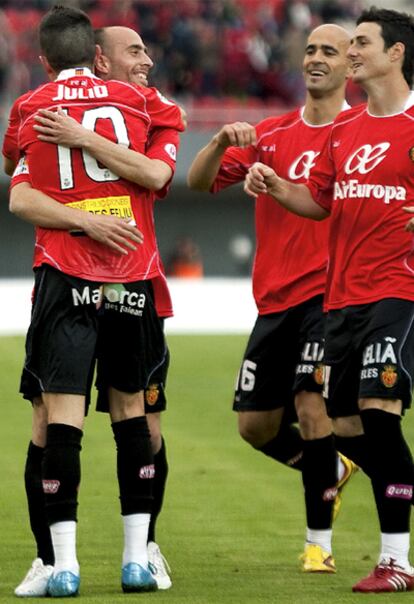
58 128
296 198
206 164
41 210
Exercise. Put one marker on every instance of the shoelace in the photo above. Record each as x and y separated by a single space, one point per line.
160 562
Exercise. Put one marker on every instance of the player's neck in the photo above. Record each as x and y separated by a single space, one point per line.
319 111
387 98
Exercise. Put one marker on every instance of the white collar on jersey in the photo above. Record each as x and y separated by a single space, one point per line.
75 71
408 103
302 111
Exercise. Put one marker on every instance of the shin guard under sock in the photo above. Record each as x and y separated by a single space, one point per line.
61 472
286 447
158 487
392 469
135 465
319 477
36 503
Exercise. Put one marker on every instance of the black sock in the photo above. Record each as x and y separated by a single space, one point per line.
356 449
286 447
319 477
158 487
392 469
36 504
135 465
61 472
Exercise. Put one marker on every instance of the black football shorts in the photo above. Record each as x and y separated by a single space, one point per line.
284 355
75 321
369 353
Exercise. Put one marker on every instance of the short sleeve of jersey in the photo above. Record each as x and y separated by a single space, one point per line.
21 173
163 144
321 181
10 146
163 113
234 167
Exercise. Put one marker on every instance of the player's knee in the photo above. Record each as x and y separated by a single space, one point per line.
312 416
348 427
154 425
256 433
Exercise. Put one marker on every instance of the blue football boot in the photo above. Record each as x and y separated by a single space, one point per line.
63 585
137 578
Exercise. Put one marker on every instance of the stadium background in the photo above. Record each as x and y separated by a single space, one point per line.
223 60
233 522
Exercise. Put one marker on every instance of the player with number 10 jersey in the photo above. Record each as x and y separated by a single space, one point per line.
123 113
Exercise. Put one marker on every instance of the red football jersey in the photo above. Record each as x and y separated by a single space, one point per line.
163 144
291 251
123 113
364 178
10 146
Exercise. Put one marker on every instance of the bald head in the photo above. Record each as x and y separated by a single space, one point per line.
326 64
332 30
124 56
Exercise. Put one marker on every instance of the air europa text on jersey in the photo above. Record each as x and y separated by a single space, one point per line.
69 93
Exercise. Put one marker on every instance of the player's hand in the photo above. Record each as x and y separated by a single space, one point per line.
58 128
410 224
116 233
239 134
260 179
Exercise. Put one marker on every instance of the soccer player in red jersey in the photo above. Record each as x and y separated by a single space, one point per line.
282 365
363 179
81 285
124 57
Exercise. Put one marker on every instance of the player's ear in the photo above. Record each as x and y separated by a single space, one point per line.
46 66
101 62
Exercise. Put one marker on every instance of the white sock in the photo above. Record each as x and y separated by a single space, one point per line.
340 468
395 546
135 539
64 546
320 537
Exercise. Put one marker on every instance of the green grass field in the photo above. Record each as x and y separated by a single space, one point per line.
233 522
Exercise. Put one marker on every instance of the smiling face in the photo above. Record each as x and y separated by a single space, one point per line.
124 57
325 65
367 53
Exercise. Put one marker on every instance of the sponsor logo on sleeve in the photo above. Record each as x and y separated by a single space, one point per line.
171 150
22 167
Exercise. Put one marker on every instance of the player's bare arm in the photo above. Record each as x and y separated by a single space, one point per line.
296 198
58 128
206 164
41 210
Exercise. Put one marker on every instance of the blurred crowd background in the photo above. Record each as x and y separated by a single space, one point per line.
209 54
224 61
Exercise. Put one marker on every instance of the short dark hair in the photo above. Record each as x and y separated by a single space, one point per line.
100 36
66 38
395 27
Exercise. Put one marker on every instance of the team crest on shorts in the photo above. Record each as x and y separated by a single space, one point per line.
411 154
151 394
318 374
389 376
